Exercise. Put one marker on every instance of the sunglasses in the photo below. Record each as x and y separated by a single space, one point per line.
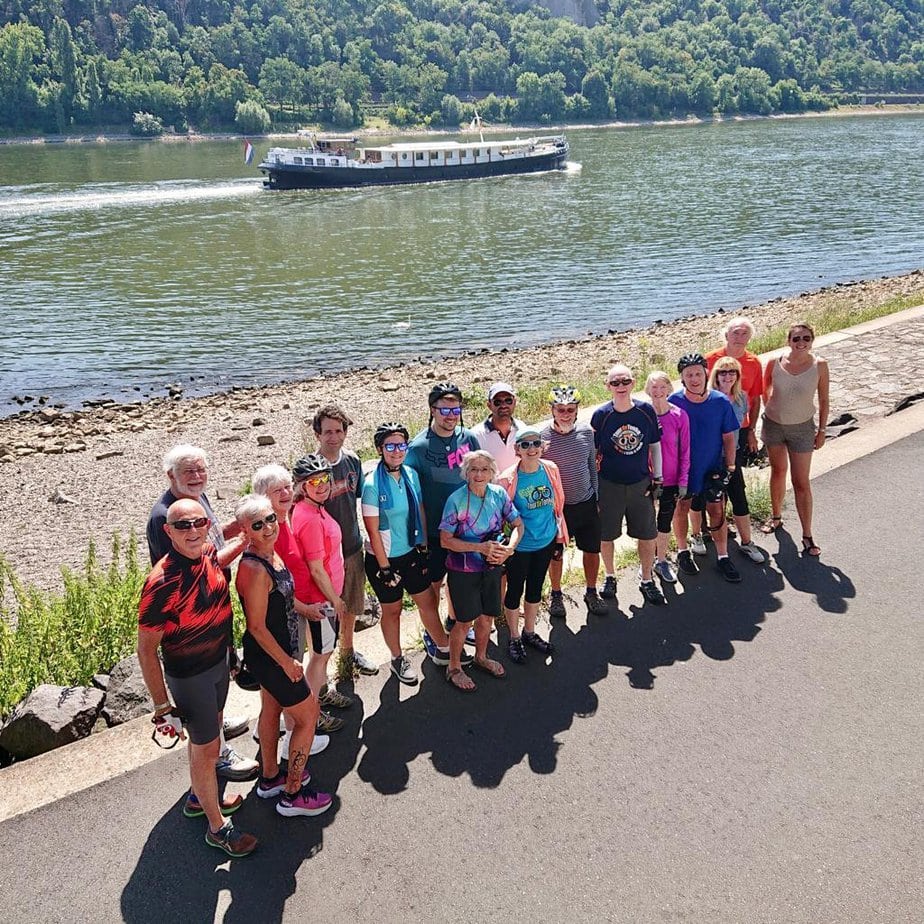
530 444
801 338
449 411
186 525
620 382
395 447
727 372
257 525
502 402
316 480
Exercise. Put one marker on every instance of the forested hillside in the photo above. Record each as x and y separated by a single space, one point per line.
216 63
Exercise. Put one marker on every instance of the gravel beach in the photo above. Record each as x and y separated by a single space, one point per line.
76 476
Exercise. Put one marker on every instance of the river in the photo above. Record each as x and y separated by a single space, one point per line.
127 266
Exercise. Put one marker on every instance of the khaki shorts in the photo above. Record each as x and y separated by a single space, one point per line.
627 502
354 583
798 437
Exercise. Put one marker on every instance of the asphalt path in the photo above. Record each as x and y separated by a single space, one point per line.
748 753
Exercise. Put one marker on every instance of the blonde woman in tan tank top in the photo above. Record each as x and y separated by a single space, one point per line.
791 385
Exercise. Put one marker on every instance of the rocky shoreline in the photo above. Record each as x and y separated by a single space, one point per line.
84 475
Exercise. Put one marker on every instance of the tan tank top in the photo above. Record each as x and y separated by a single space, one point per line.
792 400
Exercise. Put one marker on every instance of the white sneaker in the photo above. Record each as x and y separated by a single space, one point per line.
232 766
697 544
752 551
319 744
234 725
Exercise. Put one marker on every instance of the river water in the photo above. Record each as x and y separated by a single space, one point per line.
127 266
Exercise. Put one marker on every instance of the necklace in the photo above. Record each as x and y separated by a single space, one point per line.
468 502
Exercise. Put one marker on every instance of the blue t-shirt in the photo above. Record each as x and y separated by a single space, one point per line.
475 519
534 503
394 520
709 420
622 438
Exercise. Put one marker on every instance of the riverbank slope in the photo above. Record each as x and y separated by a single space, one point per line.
85 475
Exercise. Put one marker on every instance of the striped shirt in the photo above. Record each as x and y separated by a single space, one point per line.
576 457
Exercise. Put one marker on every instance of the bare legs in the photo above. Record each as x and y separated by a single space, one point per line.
304 718
202 759
781 460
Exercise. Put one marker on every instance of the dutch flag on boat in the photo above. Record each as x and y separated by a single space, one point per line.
248 152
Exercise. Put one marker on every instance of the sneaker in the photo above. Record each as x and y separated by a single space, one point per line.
595 606
609 588
233 842
234 725
440 656
329 723
664 571
752 551
729 571
304 802
402 669
318 743
686 563
515 651
651 592
363 664
334 699
535 641
557 605
232 766
274 785
697 544
192 808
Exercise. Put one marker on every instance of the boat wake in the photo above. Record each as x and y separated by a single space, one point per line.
110 195
572 166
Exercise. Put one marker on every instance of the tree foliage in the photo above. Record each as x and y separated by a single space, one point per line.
67 63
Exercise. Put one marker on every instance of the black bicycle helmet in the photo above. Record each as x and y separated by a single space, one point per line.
312 464
564 394
384 430
691 359
443 390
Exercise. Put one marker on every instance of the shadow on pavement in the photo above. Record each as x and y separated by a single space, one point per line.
831 587
255 888
485 733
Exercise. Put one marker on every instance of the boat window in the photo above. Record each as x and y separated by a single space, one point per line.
434 155
404 157
297 160
477 152
420 155
309 161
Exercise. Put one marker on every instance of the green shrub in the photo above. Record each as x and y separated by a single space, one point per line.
251 118
68 637
146 125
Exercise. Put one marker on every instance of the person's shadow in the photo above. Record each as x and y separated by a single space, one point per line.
178 878
809 574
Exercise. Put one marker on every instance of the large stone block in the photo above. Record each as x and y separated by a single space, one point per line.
127 697
49 717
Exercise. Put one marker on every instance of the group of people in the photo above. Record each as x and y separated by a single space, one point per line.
487 510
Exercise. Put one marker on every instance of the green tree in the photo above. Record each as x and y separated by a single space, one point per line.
753 90
450 110
595 91
251 118
21 47
64 64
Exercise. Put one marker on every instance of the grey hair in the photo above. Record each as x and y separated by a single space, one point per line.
268 477
479 455
657 376
183 453
739 322
251 507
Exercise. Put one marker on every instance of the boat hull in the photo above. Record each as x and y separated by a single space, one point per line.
286 176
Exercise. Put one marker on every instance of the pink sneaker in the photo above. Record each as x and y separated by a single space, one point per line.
305 802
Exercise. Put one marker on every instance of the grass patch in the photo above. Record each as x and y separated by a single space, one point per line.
66 638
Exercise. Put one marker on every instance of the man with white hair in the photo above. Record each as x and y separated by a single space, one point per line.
628 440
187 470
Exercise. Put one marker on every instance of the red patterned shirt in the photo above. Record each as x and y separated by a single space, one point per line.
190 602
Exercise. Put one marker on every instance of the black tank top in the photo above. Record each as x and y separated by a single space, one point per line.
281 618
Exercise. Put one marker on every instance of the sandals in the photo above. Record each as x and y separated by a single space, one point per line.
460 680
809 547
771 525
489 666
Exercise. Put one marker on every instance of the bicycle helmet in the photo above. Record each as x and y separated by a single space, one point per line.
691 359
443 390
312 464
384 430
564 394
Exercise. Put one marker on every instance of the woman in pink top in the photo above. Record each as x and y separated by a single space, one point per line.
675 459
317 535
791 385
